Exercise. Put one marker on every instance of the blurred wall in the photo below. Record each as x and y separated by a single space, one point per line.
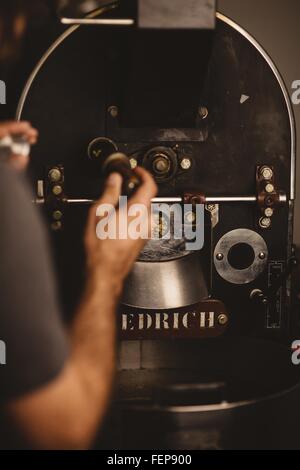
275 24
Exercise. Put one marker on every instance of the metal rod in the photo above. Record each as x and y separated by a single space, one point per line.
177 200
98 21
169 200
216 200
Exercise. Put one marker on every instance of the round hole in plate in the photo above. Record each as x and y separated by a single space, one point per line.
241 256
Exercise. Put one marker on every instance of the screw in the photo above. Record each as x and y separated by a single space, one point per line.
131 185
269 212
220 256
267 173
190 217
270 188
113 111
262 256
265 222
186 164
57 190
133 163
161 165
55 175
56 226
210 207
57 215
223 319
203 112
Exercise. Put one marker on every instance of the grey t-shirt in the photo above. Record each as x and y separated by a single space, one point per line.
30 324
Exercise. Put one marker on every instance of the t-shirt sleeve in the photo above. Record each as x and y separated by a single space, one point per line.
32 335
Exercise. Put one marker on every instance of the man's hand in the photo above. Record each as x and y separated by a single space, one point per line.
116 256
16 128
67 413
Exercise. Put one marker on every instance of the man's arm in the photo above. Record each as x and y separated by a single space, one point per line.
67 412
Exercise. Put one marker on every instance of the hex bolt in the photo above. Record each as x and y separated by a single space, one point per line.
267 173
269 212
223 319
57 215
161 165
55 175
190 217
57 190
220 256
113 111
131 185
186 163
265 222
133 163
270 188
203 112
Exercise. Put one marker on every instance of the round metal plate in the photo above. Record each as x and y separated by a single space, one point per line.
227 242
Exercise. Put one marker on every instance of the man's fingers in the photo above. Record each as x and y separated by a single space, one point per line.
19 127
146 191
112 192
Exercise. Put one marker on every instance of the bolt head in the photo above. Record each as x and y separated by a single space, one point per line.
55 175
270 188
57 215
133 163
186 164
211 207
269 212
113 111
223 319
131 185
262 256
203 112
265 222
57 190
162 165
220 256
190 217
267 173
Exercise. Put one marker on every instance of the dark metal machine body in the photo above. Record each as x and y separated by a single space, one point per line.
206 111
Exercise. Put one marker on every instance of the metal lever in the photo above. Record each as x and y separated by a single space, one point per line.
120 163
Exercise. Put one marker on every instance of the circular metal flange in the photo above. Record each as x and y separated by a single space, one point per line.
100 148
224 247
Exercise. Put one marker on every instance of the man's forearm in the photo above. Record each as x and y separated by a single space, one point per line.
93 335
67 413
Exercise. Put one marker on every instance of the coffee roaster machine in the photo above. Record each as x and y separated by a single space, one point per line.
204 337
